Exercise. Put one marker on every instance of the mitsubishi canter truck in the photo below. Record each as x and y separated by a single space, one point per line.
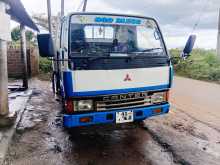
109 68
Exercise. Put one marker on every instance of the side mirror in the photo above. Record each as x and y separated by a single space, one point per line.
45 44
189 46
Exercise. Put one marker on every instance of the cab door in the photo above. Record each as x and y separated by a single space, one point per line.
63 57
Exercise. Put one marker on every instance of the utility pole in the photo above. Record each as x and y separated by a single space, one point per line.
62 8
84 5
4 37
218 39
24 56
49 16
3 79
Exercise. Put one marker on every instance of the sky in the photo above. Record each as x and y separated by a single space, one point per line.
176 17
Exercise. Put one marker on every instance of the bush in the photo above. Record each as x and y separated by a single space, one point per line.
45 65
201 65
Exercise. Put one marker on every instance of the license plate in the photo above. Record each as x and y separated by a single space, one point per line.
124 117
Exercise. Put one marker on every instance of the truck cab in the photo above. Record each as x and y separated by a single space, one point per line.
111 68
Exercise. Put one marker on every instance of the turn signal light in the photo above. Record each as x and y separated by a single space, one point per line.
157 111
85 119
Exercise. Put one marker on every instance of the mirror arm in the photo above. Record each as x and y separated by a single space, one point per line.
184 56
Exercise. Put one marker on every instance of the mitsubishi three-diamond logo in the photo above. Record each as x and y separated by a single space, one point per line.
127 78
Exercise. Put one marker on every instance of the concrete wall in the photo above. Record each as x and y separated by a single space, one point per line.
15 64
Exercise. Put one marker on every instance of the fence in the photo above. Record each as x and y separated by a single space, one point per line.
15 63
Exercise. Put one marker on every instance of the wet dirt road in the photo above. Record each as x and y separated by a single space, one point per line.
176 138
191 130
41 140
199 99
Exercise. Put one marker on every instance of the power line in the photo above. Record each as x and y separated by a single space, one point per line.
49 15
84 5
80 5
200 15
62 8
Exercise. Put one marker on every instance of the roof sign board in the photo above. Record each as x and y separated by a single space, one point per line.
115 20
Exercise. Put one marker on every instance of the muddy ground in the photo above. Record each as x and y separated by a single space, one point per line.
180 137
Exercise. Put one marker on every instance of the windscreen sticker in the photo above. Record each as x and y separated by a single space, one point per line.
118 20
103 19
83 19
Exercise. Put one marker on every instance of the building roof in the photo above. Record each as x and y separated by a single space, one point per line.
19 14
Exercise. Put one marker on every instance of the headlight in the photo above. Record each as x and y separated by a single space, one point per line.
83 105
159 97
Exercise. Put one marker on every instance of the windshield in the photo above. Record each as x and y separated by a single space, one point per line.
104 37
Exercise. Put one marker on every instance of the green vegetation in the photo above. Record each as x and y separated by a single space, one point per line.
45 67
16 35
201 65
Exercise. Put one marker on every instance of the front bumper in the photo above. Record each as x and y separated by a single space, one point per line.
110 116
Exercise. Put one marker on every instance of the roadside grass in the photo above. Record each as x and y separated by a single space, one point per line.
201 65
45 68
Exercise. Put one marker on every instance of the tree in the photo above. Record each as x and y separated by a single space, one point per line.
16 34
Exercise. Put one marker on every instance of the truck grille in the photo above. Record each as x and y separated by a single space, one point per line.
131 100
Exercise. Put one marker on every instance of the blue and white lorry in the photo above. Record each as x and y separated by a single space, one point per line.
109 68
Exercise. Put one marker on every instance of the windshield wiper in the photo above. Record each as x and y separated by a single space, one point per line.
152 49
90 55
143 52
90 58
